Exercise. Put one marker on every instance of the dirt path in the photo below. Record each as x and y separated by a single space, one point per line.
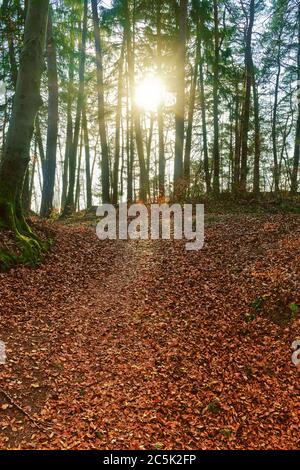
143 345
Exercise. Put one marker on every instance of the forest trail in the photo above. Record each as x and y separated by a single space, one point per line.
144 345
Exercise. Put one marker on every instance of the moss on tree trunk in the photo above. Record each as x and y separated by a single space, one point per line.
16 154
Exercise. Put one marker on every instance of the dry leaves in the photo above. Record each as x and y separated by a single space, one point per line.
133 345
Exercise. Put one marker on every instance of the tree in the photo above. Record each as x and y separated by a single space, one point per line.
276 50
201 15
256 170
160 119
70 202
88 177
69 131
203 121
27 101
189 131
135 114
294 182
247 98
180 95
216 147
50 162
101 107
118 127
229 121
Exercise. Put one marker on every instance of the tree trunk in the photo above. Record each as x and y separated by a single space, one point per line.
70 203
274 117
274 126
24 194
129 149
203 121
160 119
237 143
256 173
144 182
26 104
180 97
189 132
69 136
216 148
101 107
149 142
31 184
122 164
294 182
118 129
12 54
38 136
52 132
87 159
231 154
246 109
77 189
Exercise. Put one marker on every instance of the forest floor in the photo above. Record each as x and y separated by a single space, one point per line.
143 345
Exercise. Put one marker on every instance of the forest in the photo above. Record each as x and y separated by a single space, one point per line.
140 344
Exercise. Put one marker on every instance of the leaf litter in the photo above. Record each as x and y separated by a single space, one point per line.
142 345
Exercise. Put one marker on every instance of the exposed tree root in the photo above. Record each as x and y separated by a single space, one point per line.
31 248
39 425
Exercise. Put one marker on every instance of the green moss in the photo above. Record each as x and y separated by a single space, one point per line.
214 407
31 248
7 260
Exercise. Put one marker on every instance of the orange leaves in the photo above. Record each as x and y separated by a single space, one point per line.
117 345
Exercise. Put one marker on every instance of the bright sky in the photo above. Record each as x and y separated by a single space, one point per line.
150 93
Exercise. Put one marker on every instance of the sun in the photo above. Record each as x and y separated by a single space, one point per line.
150 93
